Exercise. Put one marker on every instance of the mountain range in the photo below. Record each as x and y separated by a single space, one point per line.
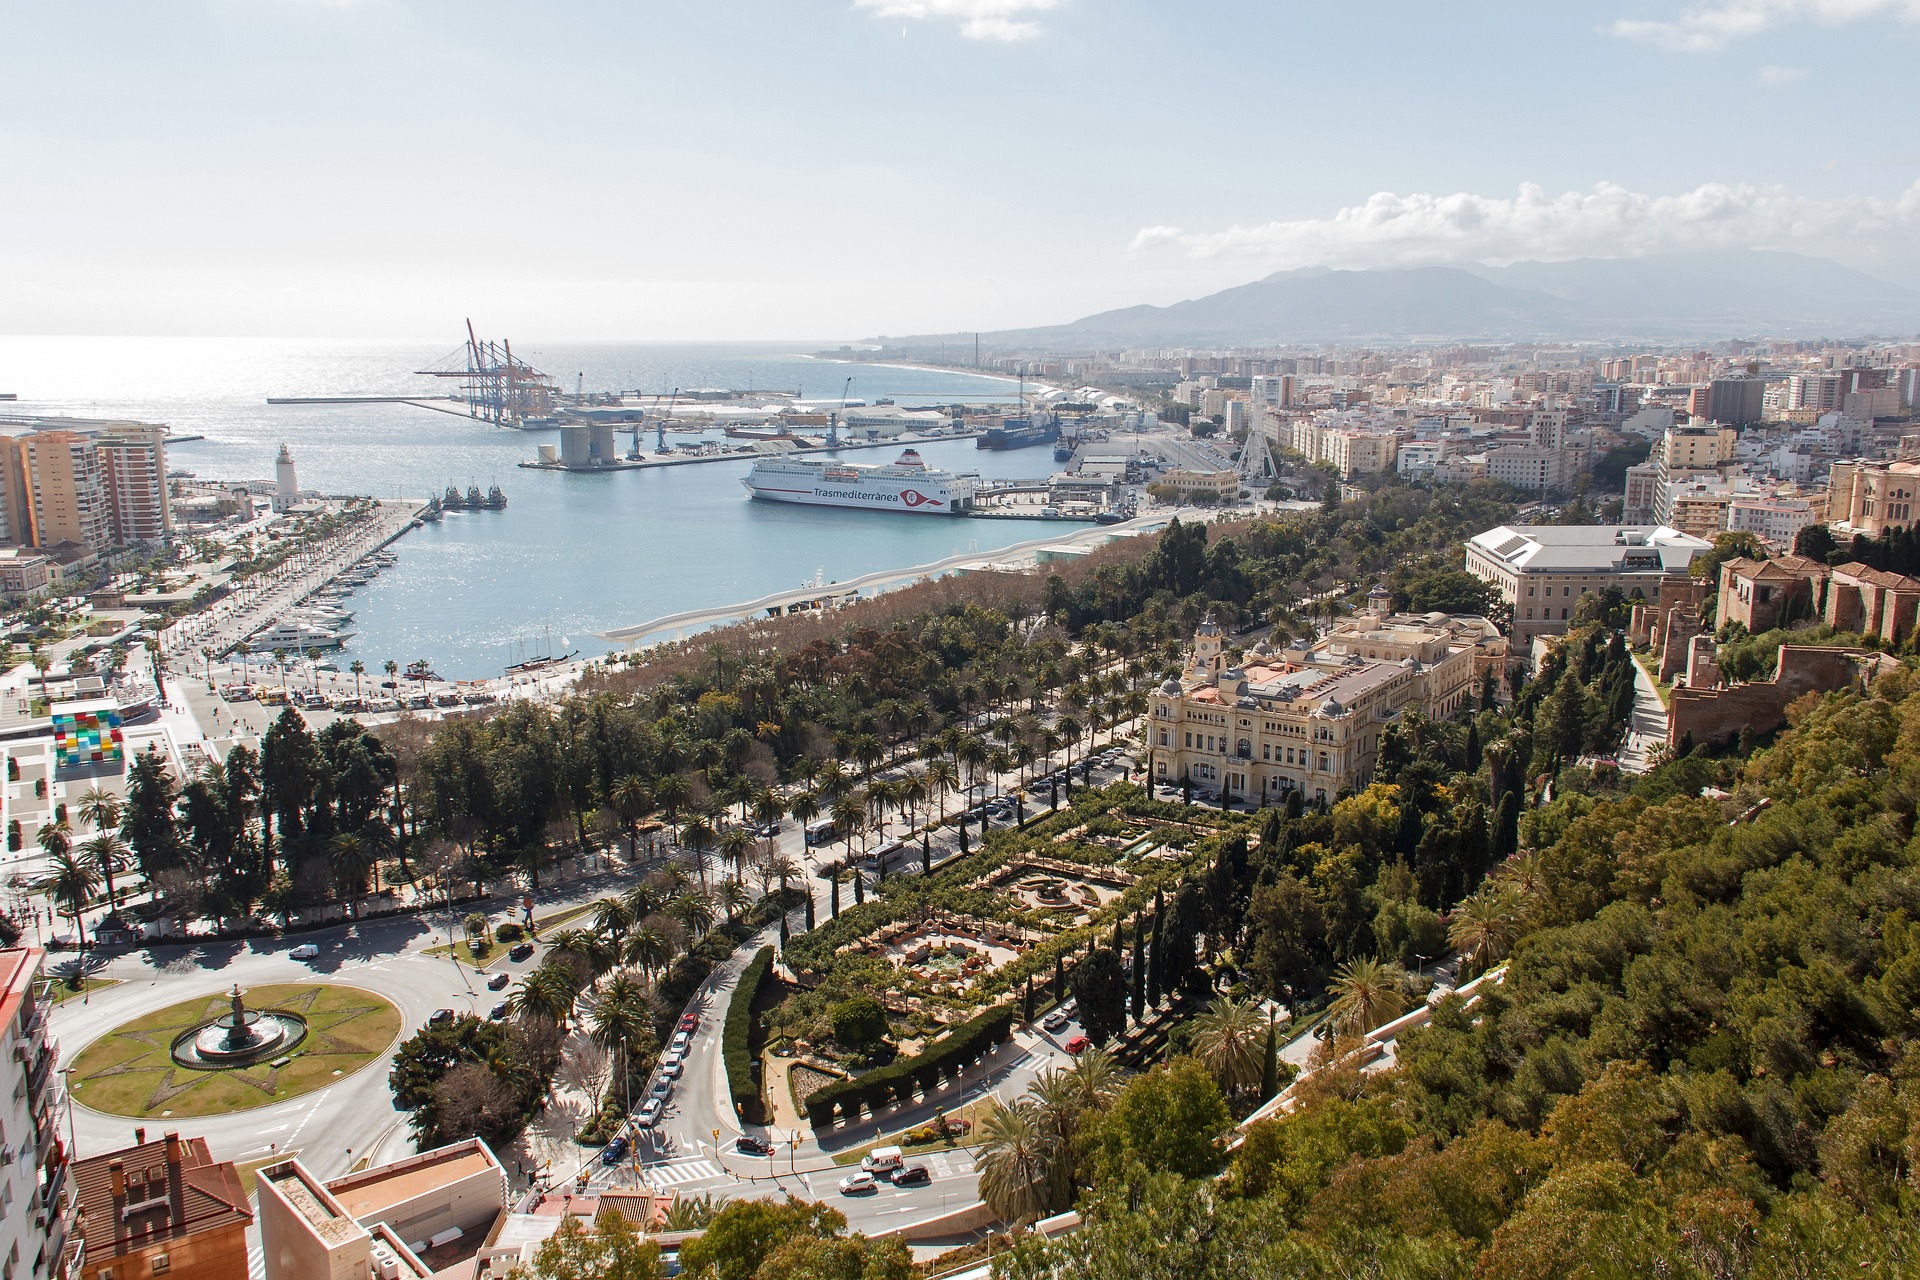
1690 296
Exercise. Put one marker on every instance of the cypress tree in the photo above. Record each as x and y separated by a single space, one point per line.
783 932
1270 1074
926 853
1156 977
834 904
1473 747
1139 973
1027 1009
1059 978
859 889
809 908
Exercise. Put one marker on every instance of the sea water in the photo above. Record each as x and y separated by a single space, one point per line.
572 554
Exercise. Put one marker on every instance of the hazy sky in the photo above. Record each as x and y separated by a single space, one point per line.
840 168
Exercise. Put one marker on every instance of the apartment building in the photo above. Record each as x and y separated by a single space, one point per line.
1872 497
164 1208
34 1180
1528 467
1541 571
1775 521
91 486
1272 727
135 457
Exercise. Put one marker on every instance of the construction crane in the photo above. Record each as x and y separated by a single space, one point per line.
497 387
833 423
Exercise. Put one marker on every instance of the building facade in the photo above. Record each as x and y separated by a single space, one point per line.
135 460
1872 497
34 1184
164 1208
1541 571
1254 734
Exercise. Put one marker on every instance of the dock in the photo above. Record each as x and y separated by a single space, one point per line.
745 454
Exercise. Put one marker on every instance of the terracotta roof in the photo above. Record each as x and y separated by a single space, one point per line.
208 1197
1877 577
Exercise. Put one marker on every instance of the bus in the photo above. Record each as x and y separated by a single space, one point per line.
885 856
820 832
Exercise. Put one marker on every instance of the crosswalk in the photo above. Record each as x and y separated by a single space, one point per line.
257 1262
662 1176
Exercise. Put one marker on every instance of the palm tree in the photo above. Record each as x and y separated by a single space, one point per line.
548 994
693 910
1485 925
358 668
1367 993
804 807
349 859
1230 1038
620 1015
1012 1160
631 801
911 792
69 882
732 897
768 809
940 778
736 846
1056 1102
392 669
1096 1075
650 948
698 836
613 917
99 809
785 868
107 853
595 953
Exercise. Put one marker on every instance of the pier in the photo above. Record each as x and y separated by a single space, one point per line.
813 596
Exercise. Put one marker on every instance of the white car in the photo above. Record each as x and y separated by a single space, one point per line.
650 1114
306 951
672 1070
858 1184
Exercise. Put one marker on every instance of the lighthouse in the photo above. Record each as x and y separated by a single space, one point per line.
286 485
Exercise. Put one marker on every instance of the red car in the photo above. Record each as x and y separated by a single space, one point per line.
690 1023
1078 1044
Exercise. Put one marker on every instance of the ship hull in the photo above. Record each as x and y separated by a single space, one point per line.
908 500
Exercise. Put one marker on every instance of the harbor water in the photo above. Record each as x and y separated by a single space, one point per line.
572 554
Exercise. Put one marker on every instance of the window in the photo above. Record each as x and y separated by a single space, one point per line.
162 1264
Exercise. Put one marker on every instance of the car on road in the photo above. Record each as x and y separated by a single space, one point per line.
911 1175
498 1013
520 952
650 1113
883 1160
306 951
748 1145
660 1090
681 1040
672 1070
690 1023
859 1184
1078 1045
1055 1020
440 1018
612 1153
499 981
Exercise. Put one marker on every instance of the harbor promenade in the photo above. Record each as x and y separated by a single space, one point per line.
260 603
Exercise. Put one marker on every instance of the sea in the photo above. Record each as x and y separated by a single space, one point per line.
571 554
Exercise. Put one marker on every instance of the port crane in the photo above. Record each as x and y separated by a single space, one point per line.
659 426
497 387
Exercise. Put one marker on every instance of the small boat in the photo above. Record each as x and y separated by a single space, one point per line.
474 500
420 670
452 501
496 499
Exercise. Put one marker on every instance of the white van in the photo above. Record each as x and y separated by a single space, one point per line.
883 1160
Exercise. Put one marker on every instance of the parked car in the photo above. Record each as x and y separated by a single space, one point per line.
911 1175
1054 1021
499 981
440 1018
306 951
498 1013
681 1040
520 952
748 1145
671 1070
690 1023
1078 1045
613 1152
650 1113
859 1184
660 1090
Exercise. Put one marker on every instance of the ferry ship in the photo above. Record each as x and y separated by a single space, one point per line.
905 485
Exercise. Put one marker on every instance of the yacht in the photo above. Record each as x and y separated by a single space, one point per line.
297 637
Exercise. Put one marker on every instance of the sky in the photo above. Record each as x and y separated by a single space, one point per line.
839 169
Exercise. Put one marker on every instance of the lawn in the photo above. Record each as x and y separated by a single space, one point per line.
62 992
494 949
129 1070
973 1112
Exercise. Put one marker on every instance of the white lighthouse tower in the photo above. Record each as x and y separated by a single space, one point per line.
286 485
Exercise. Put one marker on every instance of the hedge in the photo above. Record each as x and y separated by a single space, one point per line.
742 1079
962 1046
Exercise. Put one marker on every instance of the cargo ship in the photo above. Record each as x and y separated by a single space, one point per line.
904 485
1020 433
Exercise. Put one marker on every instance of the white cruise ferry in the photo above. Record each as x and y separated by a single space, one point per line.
906 485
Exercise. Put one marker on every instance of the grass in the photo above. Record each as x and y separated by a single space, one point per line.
496 949
61 992
974 1111
129 1071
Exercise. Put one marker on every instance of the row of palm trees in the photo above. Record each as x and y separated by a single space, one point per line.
75 872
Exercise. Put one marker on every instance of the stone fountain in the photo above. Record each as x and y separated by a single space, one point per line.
239 1037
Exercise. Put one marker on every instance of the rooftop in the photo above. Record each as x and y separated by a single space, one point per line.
151 1200
366 1194
1535 548
18 965
310 1200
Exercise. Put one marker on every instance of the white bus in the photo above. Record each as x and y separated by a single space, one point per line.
820 832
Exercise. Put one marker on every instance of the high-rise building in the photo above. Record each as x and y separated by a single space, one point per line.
135 455
57 491
1740 401
33 1231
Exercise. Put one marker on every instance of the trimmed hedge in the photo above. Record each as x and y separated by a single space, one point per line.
959 1048
742 1079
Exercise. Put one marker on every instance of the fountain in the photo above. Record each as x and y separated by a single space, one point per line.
239 1038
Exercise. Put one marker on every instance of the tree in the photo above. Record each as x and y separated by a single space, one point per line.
621 1017
148 822
548 993
1288 939
106 853
1101 991
860 1023
1170 1120
69 881
1012 1160
1227 1038
744 1232
1485 925
1367 993
611 1251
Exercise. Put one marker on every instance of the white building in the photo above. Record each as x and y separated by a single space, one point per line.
1541 571
33 1179
1776 521
286 483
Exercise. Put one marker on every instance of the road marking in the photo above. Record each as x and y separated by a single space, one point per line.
672 1175
257 1261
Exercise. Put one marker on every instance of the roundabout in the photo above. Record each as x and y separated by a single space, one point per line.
233 1051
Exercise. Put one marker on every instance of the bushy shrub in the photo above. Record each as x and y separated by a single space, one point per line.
508 931
735 1041
962 1045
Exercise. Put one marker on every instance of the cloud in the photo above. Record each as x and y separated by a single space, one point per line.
1775 77
1715 24
978 19
1607 222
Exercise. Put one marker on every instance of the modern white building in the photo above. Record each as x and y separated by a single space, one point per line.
1541 571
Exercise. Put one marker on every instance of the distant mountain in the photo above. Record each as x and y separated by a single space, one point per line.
1703 296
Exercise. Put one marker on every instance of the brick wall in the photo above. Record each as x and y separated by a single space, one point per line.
1718 715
